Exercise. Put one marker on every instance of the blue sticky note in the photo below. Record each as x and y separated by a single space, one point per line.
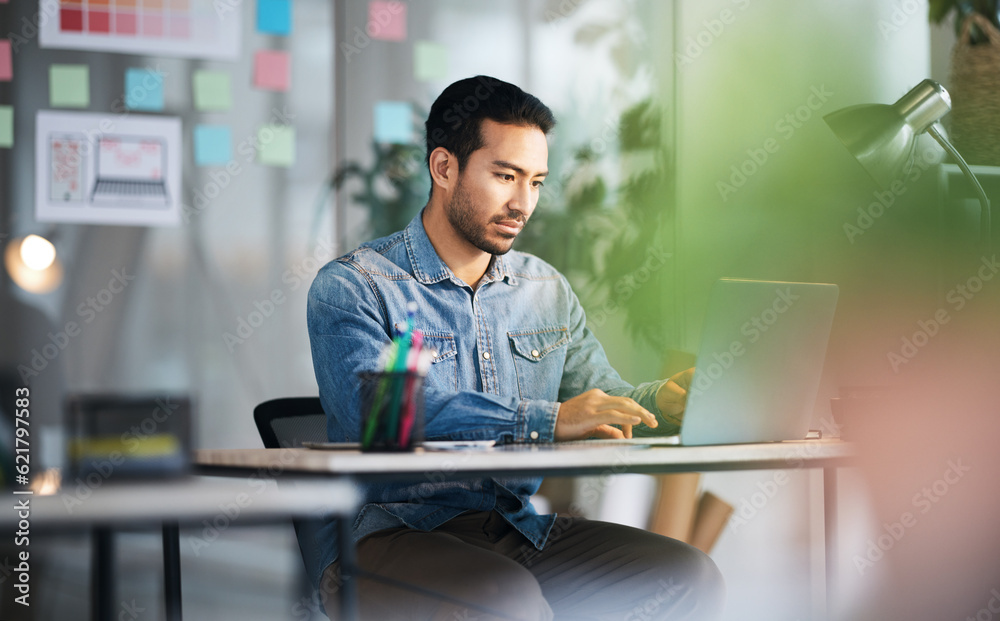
393 122
274 16
143 90
212 145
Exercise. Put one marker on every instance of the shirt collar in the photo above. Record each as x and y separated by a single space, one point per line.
428 268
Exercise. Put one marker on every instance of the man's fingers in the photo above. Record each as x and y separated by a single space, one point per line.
608 432
629 406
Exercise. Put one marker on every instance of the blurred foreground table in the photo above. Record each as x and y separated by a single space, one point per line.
102 506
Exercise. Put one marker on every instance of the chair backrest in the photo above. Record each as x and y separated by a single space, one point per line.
290 421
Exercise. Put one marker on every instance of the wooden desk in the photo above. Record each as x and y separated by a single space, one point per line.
168 505
570 459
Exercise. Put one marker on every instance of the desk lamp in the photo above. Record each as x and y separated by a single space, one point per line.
883 137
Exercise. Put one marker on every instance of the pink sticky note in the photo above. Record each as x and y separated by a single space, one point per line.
6 69
272 70
387 20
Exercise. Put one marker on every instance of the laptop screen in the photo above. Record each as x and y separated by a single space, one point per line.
130 159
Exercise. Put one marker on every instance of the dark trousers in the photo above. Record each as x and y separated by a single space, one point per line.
478 567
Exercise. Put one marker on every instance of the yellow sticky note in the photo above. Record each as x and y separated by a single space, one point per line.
69 86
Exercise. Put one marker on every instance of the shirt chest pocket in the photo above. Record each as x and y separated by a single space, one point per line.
539 358
443 374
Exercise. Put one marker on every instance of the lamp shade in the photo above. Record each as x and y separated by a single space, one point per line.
882 137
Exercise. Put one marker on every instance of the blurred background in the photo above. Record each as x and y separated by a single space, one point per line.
690 146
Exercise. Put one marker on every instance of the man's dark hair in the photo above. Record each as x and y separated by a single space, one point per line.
457 115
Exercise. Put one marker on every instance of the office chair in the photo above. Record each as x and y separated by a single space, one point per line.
288 422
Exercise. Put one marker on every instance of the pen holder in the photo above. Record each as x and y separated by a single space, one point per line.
392 411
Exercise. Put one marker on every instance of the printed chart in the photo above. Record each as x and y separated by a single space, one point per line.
188 28
106 169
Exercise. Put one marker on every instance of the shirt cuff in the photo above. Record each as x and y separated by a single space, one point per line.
536 421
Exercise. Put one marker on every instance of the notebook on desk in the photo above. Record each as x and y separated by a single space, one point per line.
759 363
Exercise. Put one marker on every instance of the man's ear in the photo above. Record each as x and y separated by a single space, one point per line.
444 169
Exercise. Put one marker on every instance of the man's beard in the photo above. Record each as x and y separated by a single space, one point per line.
460 212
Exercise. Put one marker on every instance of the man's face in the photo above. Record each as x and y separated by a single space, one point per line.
498 189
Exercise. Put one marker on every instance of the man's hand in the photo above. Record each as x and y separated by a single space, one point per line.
671 398
592 414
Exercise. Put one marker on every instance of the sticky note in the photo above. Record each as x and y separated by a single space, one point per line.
69 86
274 16
393 122
277 145
387 20
143 90
6 66
6 126
212 145
430 60
271 70
212 90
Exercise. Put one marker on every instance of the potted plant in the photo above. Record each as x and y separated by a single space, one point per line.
963 9
973 84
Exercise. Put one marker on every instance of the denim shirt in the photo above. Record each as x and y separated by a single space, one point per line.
508 352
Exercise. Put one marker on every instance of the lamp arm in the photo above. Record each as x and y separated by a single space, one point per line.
985 223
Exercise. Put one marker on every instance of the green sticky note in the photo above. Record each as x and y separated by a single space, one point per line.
69 86
277 145
212 90
6 127
430 60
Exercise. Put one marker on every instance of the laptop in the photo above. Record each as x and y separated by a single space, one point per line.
130 170
760 362
758 368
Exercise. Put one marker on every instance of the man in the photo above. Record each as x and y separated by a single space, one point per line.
514 363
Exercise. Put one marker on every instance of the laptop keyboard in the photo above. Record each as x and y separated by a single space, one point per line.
130 189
